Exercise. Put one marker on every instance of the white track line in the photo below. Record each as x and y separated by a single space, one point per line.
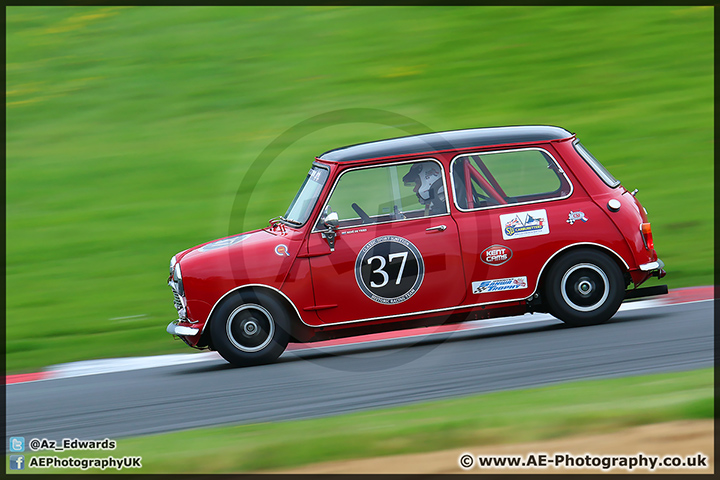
112 365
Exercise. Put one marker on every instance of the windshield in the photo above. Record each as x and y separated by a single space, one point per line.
301 207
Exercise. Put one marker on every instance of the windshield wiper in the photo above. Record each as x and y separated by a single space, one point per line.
291 222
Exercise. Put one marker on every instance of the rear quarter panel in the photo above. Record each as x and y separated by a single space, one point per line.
626 221
530 255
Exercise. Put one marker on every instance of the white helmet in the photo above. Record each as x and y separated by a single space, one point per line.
423 175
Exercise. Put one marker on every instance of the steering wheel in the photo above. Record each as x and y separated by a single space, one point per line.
363 216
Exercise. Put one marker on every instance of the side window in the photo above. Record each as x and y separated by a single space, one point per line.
598 167
500 178
389 193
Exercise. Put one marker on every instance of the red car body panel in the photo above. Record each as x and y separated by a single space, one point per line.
469 261
334 274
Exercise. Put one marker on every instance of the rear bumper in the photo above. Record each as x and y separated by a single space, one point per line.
655 269
175 329
652 269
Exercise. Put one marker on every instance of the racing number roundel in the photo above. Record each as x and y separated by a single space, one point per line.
389 269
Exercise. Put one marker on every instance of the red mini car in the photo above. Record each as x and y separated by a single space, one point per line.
422 230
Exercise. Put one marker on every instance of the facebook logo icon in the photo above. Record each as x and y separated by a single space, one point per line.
17 444
17 462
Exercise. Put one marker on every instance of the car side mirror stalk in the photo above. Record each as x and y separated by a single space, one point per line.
331 221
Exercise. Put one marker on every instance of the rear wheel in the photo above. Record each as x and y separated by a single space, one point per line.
250 328
584 287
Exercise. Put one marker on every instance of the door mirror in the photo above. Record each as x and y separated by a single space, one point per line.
331 221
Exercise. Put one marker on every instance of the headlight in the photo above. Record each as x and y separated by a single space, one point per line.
173 261
177 278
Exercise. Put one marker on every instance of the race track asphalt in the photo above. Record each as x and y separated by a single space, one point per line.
335 380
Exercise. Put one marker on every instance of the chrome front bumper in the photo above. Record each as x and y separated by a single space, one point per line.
176 329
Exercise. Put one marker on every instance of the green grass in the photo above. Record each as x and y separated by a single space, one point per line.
130 129
586 407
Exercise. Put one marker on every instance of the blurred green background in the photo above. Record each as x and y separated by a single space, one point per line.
129 130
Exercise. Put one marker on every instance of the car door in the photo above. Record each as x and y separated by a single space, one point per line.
395 253
512 218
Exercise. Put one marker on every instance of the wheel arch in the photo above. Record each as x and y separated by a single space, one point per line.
624 267
276 294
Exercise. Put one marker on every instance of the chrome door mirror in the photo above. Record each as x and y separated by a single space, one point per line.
331 221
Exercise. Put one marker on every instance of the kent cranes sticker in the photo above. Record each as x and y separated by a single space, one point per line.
524 224
500 285
389 269
496 255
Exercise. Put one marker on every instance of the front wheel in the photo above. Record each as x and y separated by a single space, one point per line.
584 287
250 328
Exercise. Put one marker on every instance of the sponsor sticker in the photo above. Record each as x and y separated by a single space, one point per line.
500 285
282 250
389 269
524 224
575 216
315 175
496 255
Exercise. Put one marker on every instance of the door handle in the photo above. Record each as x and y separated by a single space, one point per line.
439 228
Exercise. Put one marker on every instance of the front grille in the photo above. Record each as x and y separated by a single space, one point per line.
179 302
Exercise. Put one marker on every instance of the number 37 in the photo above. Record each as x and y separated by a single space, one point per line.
383 263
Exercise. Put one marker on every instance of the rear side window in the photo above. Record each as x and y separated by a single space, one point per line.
598 167
512 176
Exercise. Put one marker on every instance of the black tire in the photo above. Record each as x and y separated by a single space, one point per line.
250 328
584 287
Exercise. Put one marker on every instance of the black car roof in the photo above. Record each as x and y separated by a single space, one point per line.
451 140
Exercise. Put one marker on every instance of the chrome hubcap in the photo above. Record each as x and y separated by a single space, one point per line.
585 287
250 328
